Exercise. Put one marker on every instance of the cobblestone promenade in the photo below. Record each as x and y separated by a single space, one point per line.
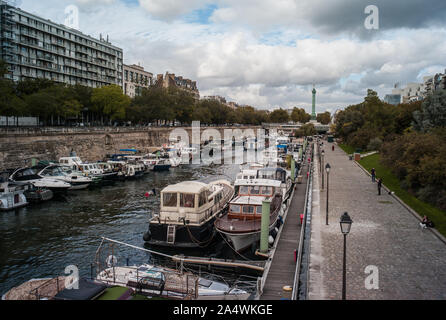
411 261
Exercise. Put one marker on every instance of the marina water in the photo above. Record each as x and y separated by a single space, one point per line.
40 241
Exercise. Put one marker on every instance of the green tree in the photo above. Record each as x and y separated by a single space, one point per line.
300 115
306 130
110 101
10 104
279 116
432 113
324 118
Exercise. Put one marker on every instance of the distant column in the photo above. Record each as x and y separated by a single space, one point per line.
313 113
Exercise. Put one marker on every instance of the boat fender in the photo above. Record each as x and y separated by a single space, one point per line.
270 240
273 233
147 236
276 229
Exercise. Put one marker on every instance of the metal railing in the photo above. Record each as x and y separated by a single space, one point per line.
307 211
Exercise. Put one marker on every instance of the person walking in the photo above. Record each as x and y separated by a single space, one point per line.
373 172
332 148
380 182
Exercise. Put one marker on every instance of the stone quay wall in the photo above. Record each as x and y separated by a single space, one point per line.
18 146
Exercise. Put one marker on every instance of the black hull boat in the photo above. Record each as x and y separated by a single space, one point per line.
187 214
185 236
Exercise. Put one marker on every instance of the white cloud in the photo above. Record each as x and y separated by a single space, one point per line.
235 58
170 9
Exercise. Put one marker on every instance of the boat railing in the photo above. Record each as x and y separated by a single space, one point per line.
173 284
49 289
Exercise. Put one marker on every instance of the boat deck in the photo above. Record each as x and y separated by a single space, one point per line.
283 266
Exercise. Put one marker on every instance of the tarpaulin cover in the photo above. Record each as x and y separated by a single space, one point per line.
87 291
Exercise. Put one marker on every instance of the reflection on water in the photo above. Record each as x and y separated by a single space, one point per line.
40 241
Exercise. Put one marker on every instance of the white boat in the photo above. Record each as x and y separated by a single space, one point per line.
30 175
257 171
77 180
187 213
11 195
169 283
92 170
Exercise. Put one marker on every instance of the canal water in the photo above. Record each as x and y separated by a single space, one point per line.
41 241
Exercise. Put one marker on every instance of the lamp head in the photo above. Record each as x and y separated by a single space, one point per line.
327 167
346 223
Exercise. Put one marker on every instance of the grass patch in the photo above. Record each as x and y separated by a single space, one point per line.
349 149
392 182
113 293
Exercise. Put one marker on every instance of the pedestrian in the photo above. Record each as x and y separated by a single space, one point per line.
373 174
380 181
332 148
426 223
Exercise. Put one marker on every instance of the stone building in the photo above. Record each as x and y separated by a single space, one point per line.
135 79
171 80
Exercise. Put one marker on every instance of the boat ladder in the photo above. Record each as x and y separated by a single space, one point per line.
171 231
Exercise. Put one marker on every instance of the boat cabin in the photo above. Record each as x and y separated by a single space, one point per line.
191 201
250 195
273 174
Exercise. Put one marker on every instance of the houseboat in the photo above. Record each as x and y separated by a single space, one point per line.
187 214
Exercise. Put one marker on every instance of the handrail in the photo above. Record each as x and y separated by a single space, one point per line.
302 234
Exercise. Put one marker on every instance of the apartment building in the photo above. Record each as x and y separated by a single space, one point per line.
171 80
34 47
135 79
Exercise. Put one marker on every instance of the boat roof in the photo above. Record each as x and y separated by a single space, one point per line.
186 187
252 200
249 171
258 182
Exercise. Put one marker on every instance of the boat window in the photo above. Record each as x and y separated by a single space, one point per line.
235 208
248 209
244 190
187 200
169 199
203 199
259 209
255 190
267 190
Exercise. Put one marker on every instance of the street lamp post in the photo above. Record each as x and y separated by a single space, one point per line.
346 223
322 166
327 168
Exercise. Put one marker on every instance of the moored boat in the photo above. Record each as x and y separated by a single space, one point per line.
242 224
11 195
187 214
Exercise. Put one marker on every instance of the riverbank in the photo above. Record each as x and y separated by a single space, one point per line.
18 146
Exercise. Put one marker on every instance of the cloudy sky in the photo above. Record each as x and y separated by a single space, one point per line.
268 53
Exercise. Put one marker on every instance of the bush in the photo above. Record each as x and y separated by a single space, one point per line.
374 144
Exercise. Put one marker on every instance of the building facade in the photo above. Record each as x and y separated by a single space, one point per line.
34 47
171 80
394 99
135 79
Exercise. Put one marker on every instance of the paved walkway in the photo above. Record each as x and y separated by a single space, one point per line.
283 266
411 262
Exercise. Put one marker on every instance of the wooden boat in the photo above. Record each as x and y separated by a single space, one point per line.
242 224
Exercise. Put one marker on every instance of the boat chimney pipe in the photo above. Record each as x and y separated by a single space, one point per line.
264 234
